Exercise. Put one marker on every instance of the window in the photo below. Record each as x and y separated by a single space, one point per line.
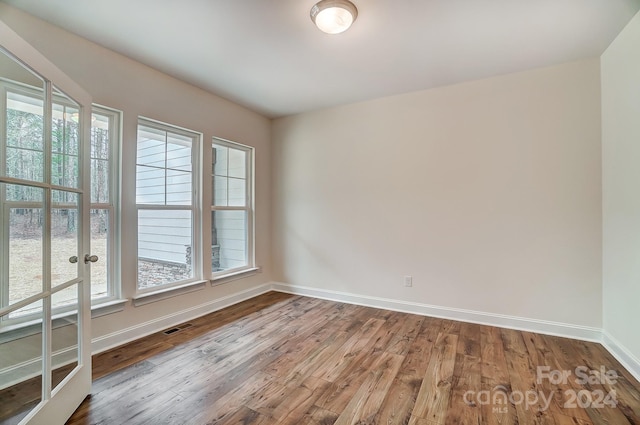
105 143
167 204
22 147
232 208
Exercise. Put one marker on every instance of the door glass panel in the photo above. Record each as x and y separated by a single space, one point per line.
23 97
21 370
21 215
40 146
64 300
25 135
23 194
65 334
12 70
65 231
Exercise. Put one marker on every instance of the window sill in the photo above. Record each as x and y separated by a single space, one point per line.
34 327
108 307
230 277
165 293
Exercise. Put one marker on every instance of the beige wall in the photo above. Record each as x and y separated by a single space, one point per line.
118 82
621 188
488 193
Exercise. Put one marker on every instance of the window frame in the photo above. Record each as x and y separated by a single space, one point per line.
249 207
114 288
195 207
114 241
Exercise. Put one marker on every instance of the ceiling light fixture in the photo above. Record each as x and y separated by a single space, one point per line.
334 16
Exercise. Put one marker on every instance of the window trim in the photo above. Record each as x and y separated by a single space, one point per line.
114 238
195 208
249 208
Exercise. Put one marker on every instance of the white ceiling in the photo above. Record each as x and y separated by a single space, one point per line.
268 55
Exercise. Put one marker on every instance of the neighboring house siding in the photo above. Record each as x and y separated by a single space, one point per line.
231 236
164 238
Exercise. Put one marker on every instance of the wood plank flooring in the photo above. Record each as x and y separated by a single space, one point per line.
283 359
17 401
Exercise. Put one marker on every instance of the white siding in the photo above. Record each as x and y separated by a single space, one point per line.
232 238
164 235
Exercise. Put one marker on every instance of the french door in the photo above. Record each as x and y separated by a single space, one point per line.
45 343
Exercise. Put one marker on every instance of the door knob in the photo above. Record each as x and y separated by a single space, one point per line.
73 259
90 258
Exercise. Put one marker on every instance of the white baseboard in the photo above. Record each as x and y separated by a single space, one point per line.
140 330
584 333
620 352
31 368
106 342
511 322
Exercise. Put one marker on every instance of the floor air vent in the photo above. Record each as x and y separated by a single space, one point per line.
177 329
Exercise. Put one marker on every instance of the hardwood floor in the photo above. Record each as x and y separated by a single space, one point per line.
17 401
282 359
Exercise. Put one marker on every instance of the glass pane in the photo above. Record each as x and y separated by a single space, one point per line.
65 140
99 181
25 253
64 127
179 152
150 185
151 170
13 70
65 233
25 134
25 164
21 363
100 246
237 192
220 191
164 247
229 177
64 170
20 193
100 156
22 273
151 148
152 156
64 342
229 240
65 299
163 175
178 187
64 338
220 160
100 136
237 163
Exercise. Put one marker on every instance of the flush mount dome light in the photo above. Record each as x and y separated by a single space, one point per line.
334 16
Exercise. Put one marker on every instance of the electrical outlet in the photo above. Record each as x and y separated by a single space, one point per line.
408 281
